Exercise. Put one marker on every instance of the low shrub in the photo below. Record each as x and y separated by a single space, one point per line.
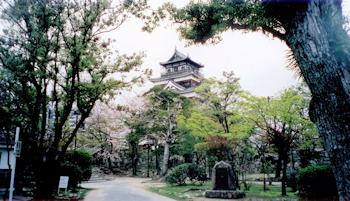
83 160
179 174
317 181
74 173
78 166
196 173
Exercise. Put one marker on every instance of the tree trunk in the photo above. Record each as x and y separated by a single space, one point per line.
157 161
148 161
47 177
169 135
292 181
134 158
165 159
264 182
278 167
322 50
284 176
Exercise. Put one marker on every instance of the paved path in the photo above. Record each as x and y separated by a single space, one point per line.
122 189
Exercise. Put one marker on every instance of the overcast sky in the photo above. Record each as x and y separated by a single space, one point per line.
259 61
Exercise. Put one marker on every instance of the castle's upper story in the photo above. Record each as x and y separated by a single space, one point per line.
180 73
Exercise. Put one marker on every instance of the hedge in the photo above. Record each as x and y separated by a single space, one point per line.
317 181
187 171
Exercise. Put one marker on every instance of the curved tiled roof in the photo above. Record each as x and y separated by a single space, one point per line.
177 57
176 75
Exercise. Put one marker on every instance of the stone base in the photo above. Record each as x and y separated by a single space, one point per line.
225 194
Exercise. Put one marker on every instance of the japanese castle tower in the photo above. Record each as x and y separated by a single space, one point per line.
181 74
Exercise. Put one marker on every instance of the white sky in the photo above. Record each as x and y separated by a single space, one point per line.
259 61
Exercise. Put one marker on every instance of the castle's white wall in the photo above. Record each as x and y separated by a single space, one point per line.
3 158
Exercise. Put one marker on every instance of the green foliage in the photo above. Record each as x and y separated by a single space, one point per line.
179 174
220 98
83 160
317 181
245 155
216 120
139 130
283 119
266 167
165 105
73 171
217 113
205 20
6 101
199 124
220 147
196 173
78 166
185 144
220 111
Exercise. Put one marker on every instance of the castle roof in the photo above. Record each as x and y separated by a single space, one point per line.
178 57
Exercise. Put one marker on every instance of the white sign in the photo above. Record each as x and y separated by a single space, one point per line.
63 182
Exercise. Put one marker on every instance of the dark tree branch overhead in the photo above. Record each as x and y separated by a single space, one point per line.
274 32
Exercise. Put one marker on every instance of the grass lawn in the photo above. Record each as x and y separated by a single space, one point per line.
185 192
256 190
181 192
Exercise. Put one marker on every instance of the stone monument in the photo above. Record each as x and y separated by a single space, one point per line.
223 179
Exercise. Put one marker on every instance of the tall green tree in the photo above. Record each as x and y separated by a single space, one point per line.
138 123
221 98
217 121
56 59
281 121
321 55
166 106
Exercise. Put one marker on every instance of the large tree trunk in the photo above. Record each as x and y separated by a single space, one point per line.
284 176
165 158
278 167
322 50
47 178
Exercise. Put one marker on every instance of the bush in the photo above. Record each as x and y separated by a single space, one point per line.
196 173
177 175
83 160
317 181
181 173
74 173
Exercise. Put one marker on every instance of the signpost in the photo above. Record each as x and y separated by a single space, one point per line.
18 148
16 152
63 183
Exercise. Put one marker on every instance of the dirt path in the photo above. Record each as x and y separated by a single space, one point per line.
122 189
